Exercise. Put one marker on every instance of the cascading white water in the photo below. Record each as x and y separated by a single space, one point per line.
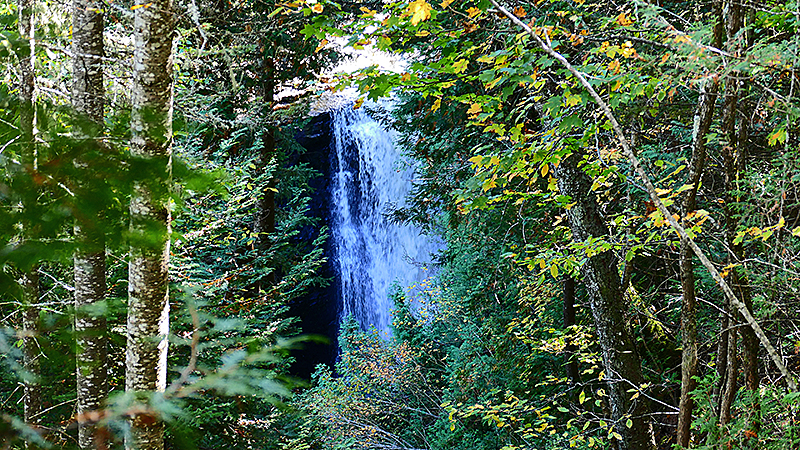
371 252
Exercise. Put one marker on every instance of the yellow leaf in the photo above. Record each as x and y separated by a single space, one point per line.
317 8
141 5
545 169
460 65
554 271
423 33
476 160
664 58
368 12
519 11
358 103
627 50
475 109
624 20
472 12
573 100
446 3
420 11
613 67
321 45
436 105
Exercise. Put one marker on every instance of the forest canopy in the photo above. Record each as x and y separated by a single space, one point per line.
613 182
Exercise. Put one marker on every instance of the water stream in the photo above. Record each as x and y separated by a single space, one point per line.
371 252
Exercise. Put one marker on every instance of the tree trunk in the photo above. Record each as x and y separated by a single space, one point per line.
90 259
722 358
734 154
31 350
26 25
30 278
731 378
620 359
569 320
265 212
148 276
702 123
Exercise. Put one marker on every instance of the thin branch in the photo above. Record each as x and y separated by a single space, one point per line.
193 358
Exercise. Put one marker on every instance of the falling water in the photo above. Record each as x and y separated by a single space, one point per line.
371 252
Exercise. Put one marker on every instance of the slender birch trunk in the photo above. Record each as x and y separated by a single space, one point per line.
90 259
148 276
31 350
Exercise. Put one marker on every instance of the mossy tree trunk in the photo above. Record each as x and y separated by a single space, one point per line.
623 372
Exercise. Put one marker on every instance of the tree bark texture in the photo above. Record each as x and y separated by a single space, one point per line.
151 140
89 260
620 359
569 320
702 123
731 378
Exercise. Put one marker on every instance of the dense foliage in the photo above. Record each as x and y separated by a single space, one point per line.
567 309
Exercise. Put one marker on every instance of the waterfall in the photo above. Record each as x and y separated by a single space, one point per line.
371 252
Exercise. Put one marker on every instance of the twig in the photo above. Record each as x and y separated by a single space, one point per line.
53 407
193 358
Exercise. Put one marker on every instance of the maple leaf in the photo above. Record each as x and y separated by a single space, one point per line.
420 11
317 8
446 3
519 11
472 12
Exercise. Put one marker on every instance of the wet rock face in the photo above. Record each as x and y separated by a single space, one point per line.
318 310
